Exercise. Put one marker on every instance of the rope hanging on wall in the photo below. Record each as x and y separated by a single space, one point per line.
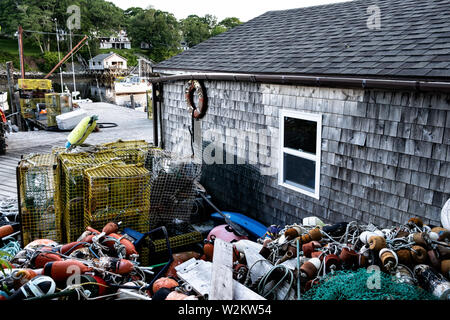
199 111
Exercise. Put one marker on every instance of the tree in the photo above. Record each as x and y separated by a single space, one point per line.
196 29
159 29
230 23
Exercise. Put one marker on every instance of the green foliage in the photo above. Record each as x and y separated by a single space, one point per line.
159 29
198 29
230 23
6 56
4 262
195 30
49 60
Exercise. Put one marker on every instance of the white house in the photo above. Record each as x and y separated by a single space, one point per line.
121 41
108 61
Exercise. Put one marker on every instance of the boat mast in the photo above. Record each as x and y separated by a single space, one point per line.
73 66
59 56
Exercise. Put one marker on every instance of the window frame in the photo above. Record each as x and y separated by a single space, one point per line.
313 117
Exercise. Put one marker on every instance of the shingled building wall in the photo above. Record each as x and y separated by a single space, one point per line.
385 154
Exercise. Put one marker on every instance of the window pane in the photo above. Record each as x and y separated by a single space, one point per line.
299 172
300 135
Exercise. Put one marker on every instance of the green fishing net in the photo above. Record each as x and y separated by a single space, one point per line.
364 285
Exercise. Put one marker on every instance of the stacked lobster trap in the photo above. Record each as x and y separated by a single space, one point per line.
117 192
70 179
38 198
125 181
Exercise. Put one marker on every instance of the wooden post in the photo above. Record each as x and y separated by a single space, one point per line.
155 88
133 105
10 76
222 272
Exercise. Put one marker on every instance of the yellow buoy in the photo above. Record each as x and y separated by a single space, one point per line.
81 131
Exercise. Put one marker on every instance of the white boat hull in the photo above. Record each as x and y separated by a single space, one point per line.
127 88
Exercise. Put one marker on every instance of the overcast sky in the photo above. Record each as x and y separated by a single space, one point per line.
243 9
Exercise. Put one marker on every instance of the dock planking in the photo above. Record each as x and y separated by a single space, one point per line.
131 125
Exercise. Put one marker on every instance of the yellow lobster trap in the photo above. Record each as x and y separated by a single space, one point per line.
38 198
130 152
70 178
117 192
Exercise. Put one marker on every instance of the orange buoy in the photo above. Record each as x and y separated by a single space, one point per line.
23 276
164 283
349 256
90 229
88 238
332 261
291 233
70 246
309 248
404 256
110 227
46 256
62 270
6 231
310 268
315 234
208 249
115 265
129 246
419 254
417 221
180 258
376 243
41 243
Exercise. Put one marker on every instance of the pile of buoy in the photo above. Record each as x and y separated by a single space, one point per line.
301 260
413 254
100 265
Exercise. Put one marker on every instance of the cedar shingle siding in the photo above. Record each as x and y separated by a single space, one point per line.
385 155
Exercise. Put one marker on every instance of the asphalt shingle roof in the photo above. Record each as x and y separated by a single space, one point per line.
334 39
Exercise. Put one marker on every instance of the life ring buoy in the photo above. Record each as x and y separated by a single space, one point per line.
198 112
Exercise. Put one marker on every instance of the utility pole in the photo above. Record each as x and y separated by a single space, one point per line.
73 66
22 62
59 56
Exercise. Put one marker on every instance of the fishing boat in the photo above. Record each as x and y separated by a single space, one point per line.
132 84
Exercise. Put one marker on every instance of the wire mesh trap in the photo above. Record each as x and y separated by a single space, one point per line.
173 193
38 198
70 179
117 192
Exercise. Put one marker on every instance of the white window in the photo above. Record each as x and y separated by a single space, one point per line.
300 149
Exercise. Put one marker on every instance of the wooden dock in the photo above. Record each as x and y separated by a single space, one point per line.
132 125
